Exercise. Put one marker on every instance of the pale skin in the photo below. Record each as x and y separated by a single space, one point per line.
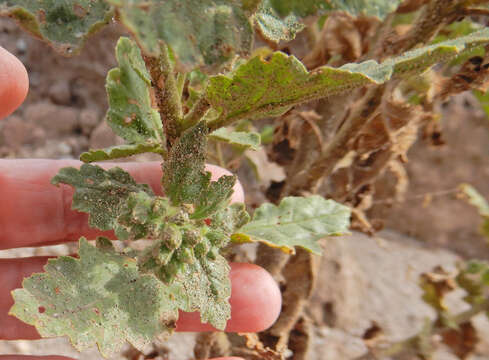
33 213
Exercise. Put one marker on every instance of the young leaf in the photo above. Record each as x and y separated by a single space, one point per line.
260 88
275 28
249 140
130 115
183 173
230 218
214 197
100 298
297 221
184 178
198 31
100 193
379 8
63 24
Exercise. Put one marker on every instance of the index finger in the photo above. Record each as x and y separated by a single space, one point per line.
33 212
14 83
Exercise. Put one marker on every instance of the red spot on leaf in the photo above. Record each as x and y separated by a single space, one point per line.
208 222
56 290
41 309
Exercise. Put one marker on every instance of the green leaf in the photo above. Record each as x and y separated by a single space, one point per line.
297 221
120 151
206 288
184 177
249 140
261 88
65 24
230 218
379 8
183 173
215 197
474 279
274 27
100 193
131 114
100 298
299 7
198 31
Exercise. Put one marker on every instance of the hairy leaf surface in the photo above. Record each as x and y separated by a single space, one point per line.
273 26
260 88
131 114
379 8
198 31
63 24
250 140
120 151
206 288
100 193
297 221
185 180
100 298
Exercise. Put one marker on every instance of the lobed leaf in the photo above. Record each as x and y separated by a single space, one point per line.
131 114
198 31
248 140
100 298
297 221
273 26
120 151
205 286
100 193
261 88
65 24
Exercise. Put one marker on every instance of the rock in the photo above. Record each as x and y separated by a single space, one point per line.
365 280
103 137
56 120
16 132
60 93
89 119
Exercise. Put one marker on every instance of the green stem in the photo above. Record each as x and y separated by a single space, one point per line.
196 113
181 78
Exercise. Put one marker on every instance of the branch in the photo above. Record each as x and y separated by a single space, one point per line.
361 113
166 91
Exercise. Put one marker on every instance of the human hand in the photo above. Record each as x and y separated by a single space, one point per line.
33 213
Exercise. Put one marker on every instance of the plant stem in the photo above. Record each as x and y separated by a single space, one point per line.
361 113
181 78
196 113
166 91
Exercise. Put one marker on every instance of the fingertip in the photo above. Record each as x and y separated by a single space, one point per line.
256 300
14 83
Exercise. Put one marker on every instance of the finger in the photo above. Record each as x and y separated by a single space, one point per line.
255 300
29 357
14 83
34 212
